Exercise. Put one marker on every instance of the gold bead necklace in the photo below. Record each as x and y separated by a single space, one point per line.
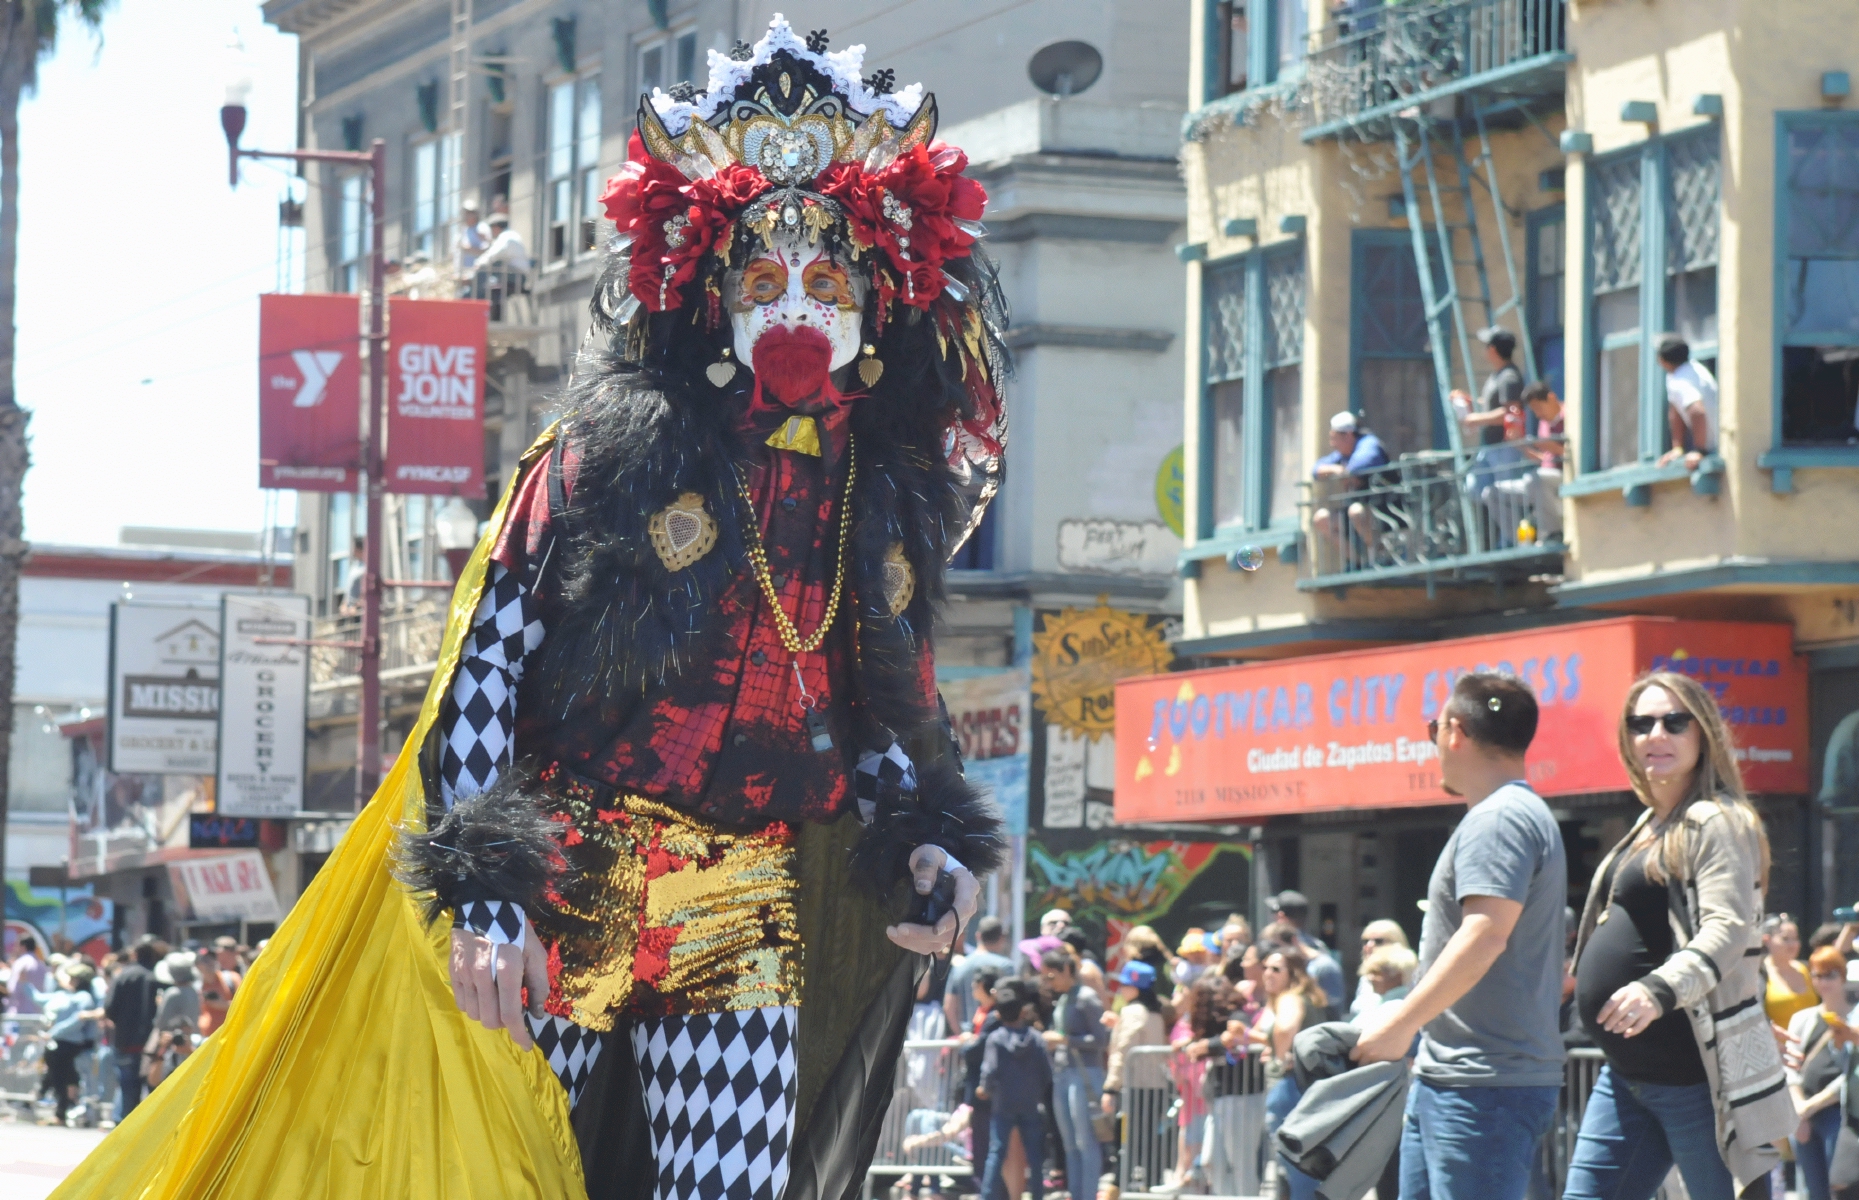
758 561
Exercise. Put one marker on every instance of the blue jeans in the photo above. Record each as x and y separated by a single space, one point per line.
1634 1133
1032 1127
1472 1143
1815 1155
1278 1105
129 1081
1075 1095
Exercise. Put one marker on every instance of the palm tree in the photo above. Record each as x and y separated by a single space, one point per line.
28 34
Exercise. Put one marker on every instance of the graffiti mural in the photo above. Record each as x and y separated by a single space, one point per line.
72 920
1122 880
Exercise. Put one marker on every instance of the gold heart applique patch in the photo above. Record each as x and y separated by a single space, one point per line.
682 532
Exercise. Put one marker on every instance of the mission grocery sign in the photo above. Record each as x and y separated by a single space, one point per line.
1348 730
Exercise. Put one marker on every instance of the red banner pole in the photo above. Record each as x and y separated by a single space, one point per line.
368 730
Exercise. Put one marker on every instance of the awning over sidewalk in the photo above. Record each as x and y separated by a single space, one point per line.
1343 731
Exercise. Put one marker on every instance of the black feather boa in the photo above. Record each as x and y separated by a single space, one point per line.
495 845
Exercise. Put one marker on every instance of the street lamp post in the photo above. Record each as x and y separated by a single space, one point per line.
368 730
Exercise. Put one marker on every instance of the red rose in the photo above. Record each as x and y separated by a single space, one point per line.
909 211
673 221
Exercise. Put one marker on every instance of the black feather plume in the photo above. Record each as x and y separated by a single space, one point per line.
496 845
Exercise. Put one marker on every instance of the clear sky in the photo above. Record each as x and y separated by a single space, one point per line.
139 271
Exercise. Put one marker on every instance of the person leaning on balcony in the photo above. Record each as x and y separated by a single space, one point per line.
1537 492
472 239
506 251
1691 403
1355 455
1666 969
1503 390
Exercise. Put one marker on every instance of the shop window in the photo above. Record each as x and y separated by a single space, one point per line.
1817 210
1648 278
1252 380
1548 273
1391 383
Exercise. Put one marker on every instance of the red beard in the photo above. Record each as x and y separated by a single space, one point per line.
792 362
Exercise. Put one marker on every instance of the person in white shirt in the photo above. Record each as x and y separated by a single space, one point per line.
1691 400
506 251
471 241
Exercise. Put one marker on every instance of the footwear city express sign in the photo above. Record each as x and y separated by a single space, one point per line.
1348 730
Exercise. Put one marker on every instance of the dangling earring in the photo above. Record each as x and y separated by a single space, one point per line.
872 369
721 371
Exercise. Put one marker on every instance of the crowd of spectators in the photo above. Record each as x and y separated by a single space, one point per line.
105 1032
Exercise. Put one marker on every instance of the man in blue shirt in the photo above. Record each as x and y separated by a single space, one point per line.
1355 456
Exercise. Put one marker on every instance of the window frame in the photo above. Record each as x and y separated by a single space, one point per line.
1656 300
1402 241
350 269
1263 30
1257 431
1782 455
444 199
575 244
1535 221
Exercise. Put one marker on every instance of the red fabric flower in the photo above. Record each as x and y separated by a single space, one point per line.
909 211
673 221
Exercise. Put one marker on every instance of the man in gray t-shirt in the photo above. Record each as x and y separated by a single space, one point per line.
1484 1006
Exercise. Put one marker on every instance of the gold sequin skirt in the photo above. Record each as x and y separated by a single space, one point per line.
665 913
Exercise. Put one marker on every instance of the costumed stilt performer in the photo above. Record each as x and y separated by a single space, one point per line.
682 787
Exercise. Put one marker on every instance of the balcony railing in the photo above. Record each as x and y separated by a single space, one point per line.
1421 518
409 646
1378 61
507 291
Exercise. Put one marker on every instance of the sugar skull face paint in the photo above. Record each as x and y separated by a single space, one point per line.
798 288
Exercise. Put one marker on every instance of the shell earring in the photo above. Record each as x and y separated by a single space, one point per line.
721 371
871 370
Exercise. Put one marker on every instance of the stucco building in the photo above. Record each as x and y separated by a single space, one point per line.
1370 186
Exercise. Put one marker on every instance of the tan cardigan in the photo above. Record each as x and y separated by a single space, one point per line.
1716 911
1136 1026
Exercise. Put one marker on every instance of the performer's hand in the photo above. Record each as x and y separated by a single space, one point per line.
925 862
494 998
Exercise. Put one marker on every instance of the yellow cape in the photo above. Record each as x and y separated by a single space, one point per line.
345 1069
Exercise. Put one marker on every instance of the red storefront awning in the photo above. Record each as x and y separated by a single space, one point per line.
1342 731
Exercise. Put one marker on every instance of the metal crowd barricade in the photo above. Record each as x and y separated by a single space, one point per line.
1233 1136
924 1097
22 1057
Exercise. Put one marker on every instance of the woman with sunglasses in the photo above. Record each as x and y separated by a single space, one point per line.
1821 1037
1665 969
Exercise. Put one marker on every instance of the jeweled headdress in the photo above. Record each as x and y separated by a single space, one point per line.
788 135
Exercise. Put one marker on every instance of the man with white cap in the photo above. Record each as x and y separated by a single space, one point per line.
470 242
1355 455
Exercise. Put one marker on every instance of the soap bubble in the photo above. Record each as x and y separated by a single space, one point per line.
1247 558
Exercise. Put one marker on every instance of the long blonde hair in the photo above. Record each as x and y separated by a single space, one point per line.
1716 778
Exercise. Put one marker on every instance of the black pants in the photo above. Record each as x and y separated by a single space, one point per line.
980 1133
61 1072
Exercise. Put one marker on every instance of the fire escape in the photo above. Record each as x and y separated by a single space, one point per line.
1435 80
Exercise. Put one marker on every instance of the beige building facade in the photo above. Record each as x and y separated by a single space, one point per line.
1368 187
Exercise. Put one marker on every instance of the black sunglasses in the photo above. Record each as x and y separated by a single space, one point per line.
1433 730
1675 723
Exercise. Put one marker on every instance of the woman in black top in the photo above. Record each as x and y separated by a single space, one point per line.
1674 897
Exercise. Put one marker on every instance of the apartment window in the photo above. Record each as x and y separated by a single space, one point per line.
1229 34
1252 378
435 194
1817 214
1291 25
668 61
1548 232
1392 383
573 165
1648 278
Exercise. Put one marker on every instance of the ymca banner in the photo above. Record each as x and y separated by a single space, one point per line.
309 392
435 396
1345 731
